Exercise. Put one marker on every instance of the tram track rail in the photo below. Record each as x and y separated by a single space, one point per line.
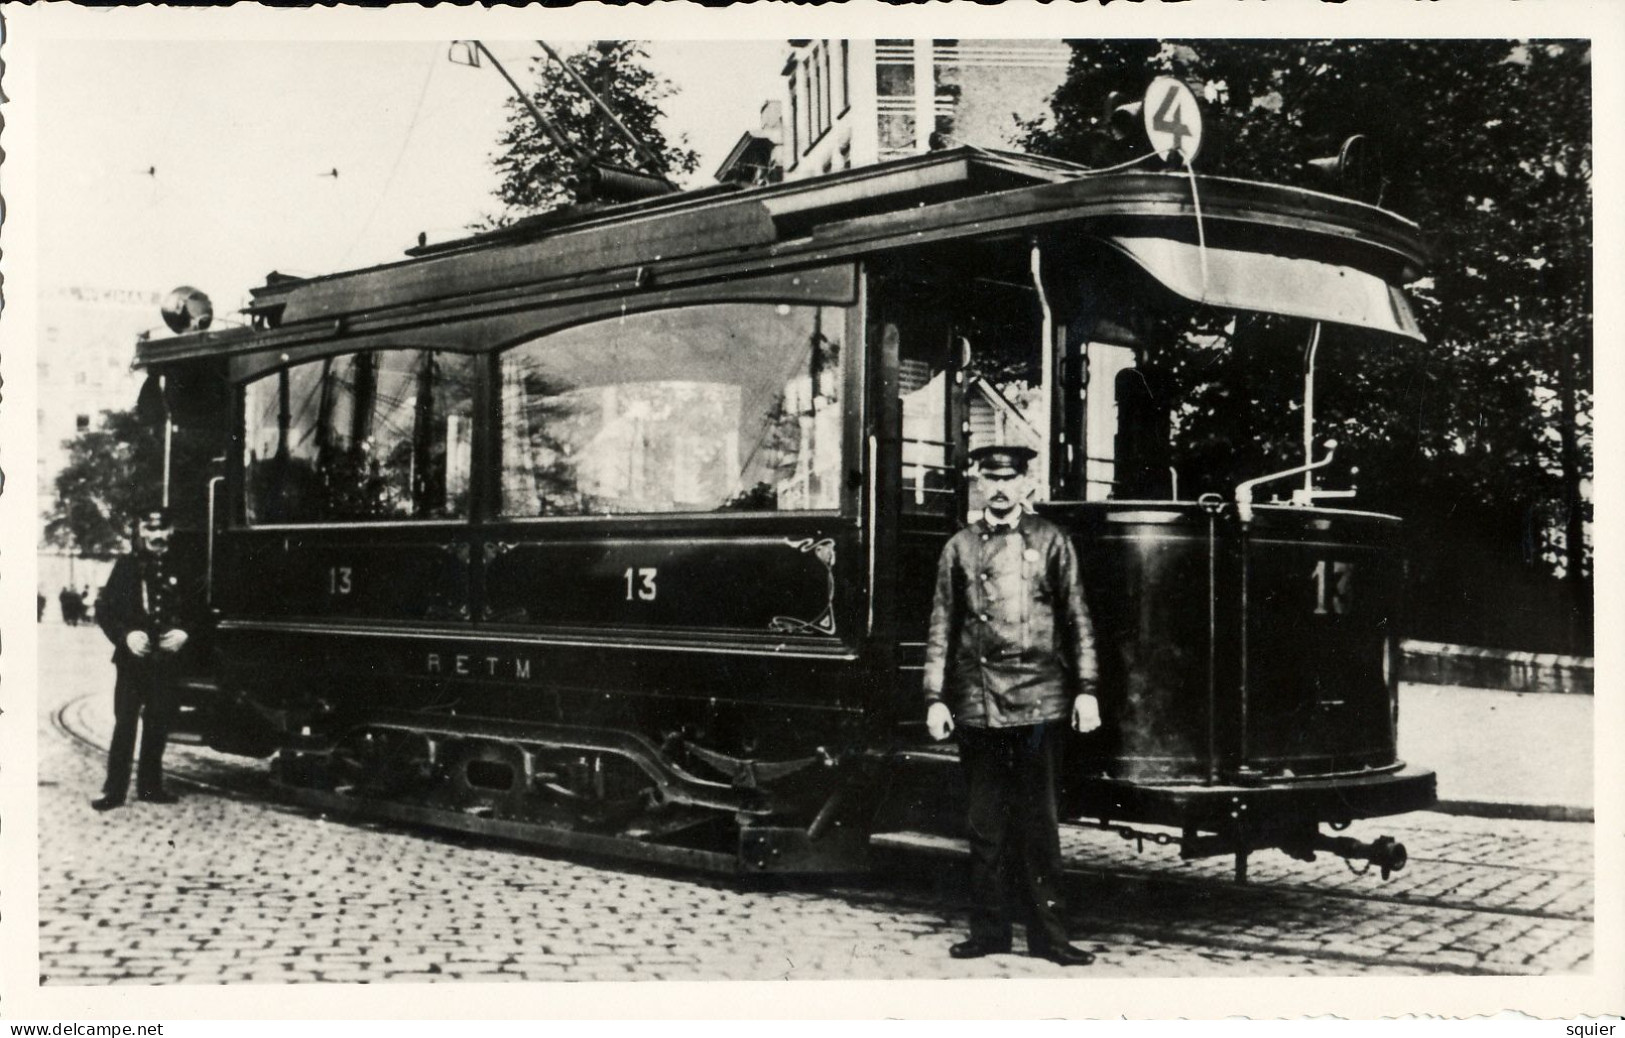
1152 901
1395 893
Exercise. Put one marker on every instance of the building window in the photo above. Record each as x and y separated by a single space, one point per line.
846 77
795 115
896 133
81 422
363 436
815 108
894 68
723 407
826 109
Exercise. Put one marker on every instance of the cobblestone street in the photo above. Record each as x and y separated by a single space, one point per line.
227 887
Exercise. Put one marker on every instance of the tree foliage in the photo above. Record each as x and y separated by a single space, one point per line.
1482 438
110 475
536 175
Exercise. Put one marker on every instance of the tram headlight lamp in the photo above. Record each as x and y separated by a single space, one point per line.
185 309
1123 119
1355 171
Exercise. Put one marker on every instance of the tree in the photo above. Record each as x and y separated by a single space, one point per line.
110 475
536 175
1482 439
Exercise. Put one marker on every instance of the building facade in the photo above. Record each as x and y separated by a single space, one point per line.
851 103
87 341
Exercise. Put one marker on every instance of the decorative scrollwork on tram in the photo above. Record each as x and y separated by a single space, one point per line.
497 549
824 550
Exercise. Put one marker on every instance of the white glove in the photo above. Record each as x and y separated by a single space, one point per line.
138 643
1085 714
939 721
171 640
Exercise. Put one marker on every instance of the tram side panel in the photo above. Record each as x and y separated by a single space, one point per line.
1150 592
1213 698
1324 594
656 564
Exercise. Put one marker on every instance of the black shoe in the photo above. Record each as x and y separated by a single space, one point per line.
976 947
1063 954
158 796
107 803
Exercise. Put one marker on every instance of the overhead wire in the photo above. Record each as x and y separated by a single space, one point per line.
389 181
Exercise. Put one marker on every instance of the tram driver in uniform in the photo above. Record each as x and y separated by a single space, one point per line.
141 612
1009 662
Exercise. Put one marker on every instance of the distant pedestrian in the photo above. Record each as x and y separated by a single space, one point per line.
70 611
145 611
40 618
1010 657
84 604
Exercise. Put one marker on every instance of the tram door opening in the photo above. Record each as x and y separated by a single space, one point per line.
188 410
968 373
1126 417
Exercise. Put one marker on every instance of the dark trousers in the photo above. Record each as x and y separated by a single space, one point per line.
140 693
1015 842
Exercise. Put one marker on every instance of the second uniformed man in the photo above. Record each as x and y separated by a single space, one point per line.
1009 661
142 611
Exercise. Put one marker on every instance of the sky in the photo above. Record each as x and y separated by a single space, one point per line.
238 135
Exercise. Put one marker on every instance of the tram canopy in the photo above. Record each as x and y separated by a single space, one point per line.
1260 281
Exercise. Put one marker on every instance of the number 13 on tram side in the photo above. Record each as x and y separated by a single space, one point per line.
616 530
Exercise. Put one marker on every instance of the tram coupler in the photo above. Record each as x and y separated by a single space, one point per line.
1385 852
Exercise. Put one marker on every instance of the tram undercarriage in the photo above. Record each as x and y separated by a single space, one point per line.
588 789
617 793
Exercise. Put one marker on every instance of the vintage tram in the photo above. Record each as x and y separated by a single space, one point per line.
615 529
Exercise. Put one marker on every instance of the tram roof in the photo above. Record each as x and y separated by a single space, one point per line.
723 229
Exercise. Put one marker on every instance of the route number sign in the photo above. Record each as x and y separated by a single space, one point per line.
1173 122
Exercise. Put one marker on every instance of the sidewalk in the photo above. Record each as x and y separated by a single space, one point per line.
1502 754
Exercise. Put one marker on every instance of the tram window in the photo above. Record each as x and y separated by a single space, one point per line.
726 407
362 436
1006 399
1101 431
924 385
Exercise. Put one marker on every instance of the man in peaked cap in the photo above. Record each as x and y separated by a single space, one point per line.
1009 660
142 611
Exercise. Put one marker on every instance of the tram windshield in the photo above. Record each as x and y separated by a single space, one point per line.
1193 369
1175 370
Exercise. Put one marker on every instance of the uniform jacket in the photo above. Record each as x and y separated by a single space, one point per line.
142 594
1010 640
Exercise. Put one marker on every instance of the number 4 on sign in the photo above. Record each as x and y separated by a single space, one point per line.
1173 121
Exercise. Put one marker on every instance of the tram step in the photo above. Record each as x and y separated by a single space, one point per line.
920 843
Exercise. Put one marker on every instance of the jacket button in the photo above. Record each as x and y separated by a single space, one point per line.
983 618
